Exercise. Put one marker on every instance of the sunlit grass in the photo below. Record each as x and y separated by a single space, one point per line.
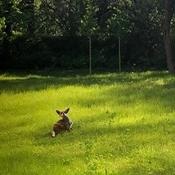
123 124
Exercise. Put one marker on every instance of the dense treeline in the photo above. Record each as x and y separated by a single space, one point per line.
36 34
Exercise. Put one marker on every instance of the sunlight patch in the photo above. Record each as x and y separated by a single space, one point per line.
160 82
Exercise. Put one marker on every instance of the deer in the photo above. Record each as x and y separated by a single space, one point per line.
62 125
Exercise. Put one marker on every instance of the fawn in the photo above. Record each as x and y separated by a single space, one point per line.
65 124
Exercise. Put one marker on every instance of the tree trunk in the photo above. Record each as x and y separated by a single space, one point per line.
6 47
90 55
169 10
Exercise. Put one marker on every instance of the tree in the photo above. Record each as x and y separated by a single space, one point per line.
118 23
47 20
89 26
68 14
8 14
169 11
28 10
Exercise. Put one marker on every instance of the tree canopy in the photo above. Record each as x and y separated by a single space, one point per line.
54 26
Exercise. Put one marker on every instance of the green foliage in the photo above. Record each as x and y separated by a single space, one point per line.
89 24
2 25
138 23
119 23
46 19
72 53
10 13
68 14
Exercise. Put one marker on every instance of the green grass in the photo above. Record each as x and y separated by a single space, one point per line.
124 124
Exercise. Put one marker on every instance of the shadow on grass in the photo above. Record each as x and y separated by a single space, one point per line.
84 131
122 142
119 140
35 82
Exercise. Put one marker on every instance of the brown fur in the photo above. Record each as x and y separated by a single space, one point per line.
62 125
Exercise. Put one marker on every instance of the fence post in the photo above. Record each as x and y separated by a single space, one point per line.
90 55
119 54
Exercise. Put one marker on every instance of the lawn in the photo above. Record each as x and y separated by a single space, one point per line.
124 124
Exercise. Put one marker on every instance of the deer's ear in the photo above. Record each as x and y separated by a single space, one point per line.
66 111
58 112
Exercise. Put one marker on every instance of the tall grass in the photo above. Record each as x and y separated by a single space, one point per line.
123 124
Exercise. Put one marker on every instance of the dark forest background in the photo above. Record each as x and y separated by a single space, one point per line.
54 34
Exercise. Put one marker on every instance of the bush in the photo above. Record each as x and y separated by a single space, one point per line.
73 53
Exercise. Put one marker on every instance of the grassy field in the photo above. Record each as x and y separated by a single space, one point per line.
124 124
